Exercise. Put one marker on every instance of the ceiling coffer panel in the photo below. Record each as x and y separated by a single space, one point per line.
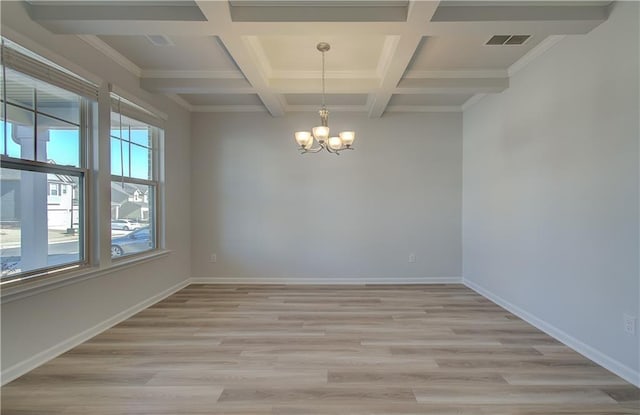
175 53
319 11
222 99
186 10
469 52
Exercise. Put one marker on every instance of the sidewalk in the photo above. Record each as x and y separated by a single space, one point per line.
10 238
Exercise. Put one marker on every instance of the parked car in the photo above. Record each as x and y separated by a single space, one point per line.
125 224
136 241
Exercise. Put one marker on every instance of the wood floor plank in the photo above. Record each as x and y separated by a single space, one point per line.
282 349
512 396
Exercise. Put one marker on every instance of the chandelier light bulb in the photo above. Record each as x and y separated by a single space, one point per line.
321 133
303 138
335 143
347 137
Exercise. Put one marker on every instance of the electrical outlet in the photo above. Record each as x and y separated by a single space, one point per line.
213 258
629 323
412 258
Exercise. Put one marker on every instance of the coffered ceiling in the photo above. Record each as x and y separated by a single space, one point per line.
260 55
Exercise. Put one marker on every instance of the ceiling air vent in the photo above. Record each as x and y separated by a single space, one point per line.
159 40
508 39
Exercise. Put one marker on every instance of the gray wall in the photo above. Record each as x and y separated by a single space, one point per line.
550 204
270 213
35 324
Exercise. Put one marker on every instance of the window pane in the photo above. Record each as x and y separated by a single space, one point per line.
141 136
40 215
58 103
140 162
119 126
119 157
19 141
132 218
61 140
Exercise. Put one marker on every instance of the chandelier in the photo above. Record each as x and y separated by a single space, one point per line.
319 139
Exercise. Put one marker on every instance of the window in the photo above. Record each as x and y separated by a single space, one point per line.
134 182
43 143
54 189
50 166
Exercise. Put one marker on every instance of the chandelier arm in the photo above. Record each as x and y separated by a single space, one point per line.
332 151
310 150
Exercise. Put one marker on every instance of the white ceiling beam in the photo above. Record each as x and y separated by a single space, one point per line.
317 28
228 108
452 85
196 86
334 86
191 74
420 12
424 108
217 12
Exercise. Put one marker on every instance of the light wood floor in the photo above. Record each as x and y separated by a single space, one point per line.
437 349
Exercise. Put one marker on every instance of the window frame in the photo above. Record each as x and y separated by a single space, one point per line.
155 135
82 172
84 245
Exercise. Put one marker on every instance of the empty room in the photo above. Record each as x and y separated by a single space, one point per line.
320 207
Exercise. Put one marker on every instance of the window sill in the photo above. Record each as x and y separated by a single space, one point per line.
37 285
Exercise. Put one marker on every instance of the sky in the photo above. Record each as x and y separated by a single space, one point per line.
63 149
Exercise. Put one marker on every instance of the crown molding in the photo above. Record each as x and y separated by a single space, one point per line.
472 101
424 108
534 53
472 74
228 108
112 54
180 101
188 74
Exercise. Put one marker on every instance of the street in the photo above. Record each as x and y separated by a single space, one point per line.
62 250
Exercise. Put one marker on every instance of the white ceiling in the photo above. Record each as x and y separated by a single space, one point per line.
257 55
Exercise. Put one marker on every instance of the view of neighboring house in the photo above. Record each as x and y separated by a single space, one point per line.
128 201
62 202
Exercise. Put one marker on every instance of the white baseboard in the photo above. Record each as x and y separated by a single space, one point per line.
31 363
325 281
624 371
